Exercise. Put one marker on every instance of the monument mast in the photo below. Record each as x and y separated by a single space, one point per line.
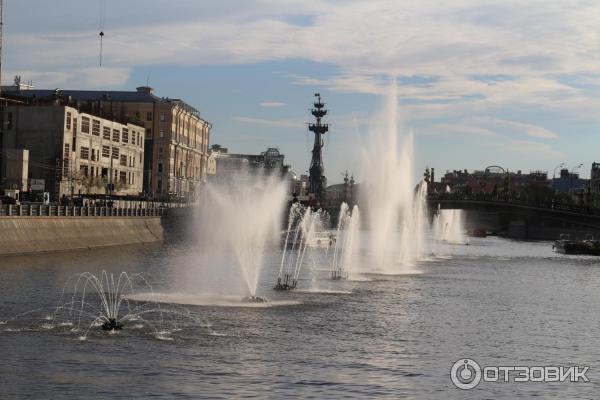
317 180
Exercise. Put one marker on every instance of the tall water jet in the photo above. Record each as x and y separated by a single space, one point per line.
395 210
304 228
346 253
336 268
239 220
448 226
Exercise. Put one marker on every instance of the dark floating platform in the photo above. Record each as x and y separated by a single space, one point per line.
588 247
254 299
112 324
288 283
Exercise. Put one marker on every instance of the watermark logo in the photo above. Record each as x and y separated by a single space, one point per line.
467 374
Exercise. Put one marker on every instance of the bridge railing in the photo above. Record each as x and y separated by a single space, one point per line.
546 204
38 210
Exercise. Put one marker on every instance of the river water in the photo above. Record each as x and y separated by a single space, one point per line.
499 302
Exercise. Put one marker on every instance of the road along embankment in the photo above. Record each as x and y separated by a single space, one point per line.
29 235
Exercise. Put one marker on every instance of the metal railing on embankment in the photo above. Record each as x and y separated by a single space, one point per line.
27 210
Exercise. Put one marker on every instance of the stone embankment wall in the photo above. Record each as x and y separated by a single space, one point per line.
28 235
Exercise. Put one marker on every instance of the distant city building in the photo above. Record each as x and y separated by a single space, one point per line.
176 137
73 152
568 182
492 182
270 161
342 192
300 186
211 166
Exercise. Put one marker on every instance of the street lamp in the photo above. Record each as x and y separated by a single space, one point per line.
504 171
572 173
555 168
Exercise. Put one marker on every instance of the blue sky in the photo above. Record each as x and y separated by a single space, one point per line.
509 83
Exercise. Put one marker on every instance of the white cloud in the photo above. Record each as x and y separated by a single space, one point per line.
447 39
272 104
269 122
530 130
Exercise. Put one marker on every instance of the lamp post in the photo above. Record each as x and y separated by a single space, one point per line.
554 176
504 171
572 173
555 168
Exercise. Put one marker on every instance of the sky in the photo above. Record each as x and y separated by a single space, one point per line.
479 83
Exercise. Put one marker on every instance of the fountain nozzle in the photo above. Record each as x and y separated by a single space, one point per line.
112 324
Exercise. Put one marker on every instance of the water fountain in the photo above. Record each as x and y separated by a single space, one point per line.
345 254
239 221
305 228
108 302
448 226
395 211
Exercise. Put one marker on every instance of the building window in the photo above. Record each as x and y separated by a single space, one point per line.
105 151
133 137
123 177
106 133
116 135
160 169
85 153
148 133
115 153
69 121
95 127
84 170
162 133
123 160
125 136
149 116
160 151
137 116
85 125
163 117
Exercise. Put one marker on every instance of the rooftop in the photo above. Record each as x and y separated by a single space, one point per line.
143 94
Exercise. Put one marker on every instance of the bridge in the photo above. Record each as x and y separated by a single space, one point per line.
521 218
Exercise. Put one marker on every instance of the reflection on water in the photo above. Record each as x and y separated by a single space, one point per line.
500 302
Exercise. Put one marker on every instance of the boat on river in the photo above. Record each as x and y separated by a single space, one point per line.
566 245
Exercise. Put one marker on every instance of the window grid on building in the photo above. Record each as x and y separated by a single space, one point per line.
95 127
106 151
115 153
116 135
106 133
85 125
84 153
